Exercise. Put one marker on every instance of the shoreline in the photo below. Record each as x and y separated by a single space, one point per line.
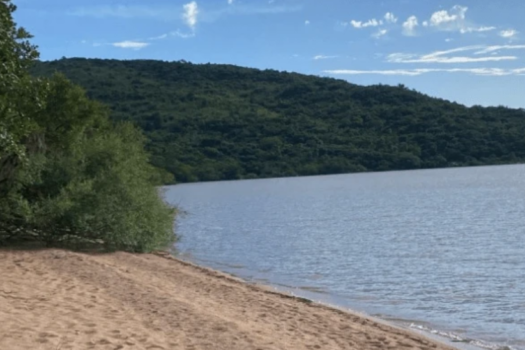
305 293
420 327
56 299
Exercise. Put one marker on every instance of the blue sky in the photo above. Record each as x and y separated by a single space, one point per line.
472 52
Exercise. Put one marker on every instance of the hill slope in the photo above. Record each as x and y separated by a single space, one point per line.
215 122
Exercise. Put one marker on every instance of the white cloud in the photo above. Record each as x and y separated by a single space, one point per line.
135 45
370 23
247 8
230 2
381 72
127 11
182 35
454 19
444 57
176 33
449 20
409 26
380 33
307 22
476 29
159 37
420 71
172 13
191 11
459 59
509 33
390 18
494 48
323 57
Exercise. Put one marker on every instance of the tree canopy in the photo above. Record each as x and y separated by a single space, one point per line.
68 174
219 122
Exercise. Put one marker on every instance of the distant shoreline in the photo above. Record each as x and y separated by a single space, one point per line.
54 298
370 172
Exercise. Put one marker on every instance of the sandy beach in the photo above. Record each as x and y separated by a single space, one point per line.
58 300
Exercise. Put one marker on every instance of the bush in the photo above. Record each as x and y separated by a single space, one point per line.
68 174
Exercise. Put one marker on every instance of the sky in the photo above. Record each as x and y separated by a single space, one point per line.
468 51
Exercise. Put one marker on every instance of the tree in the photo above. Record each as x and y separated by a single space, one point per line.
17 95
73 176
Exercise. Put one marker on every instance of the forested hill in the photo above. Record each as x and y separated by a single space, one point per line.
215 122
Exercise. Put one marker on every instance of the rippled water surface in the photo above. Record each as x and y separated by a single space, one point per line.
442 249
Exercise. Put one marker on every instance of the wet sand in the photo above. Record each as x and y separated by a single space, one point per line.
58 300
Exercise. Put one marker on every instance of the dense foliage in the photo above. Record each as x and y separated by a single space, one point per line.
216 122
68 175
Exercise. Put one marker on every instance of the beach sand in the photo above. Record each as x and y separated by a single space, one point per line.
58 300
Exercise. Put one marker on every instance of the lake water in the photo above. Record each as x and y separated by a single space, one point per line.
438 250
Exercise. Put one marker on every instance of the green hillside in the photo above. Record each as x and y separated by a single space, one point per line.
216 122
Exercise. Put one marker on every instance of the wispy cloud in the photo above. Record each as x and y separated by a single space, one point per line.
444 56
380 33
307 23
189 16
126 44
495 48
173 34
421 71
323 57
128 11
476 29
173 13
135 45
409 26
159 37
241 9
379 72
508 34
182 35
230 2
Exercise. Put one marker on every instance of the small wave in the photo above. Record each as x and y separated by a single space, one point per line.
456 338
313 289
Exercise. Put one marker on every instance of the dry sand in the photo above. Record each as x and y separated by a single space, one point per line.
58 300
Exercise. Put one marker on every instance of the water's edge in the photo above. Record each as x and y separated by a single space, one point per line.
423 328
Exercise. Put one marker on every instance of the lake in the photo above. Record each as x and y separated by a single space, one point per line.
442 251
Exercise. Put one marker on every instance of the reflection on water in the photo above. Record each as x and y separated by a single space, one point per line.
444 246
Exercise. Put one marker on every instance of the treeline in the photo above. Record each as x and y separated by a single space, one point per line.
220 122
69 175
